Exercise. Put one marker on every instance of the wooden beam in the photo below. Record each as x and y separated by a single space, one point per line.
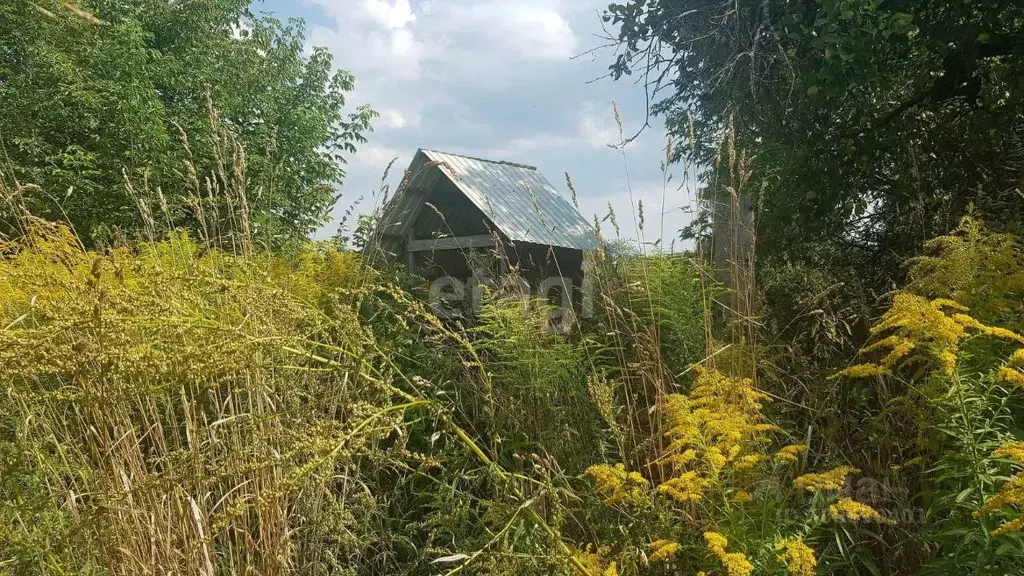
453 243
410 253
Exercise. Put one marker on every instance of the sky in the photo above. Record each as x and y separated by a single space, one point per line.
498 79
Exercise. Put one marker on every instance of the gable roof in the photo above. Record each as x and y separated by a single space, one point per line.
517 199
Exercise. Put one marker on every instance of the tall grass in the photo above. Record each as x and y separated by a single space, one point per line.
189 404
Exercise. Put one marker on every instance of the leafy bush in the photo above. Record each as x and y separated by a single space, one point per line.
178 408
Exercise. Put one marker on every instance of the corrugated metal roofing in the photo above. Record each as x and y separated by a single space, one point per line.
518 200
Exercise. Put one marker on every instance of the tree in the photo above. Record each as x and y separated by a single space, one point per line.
872 124
122 89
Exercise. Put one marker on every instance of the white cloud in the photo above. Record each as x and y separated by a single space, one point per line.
393 119
393 44
543 33
490 78
372 157
656 198
392 15
522 147
595 127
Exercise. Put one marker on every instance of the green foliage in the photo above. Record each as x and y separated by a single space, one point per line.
815 321
873 127
540 398
181 405
971 418
88 105
164 400
984 271
655 297
873 124
168 397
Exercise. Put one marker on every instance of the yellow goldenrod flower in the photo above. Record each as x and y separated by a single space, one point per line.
686 487
1002 333
947 303
1012 450
594 562
847 509
897 352
735 563
717 426
1010 376
790 453
947 360
831 480
912 462
683 458
715 458
663 550
716 542
864 371
917 323
749 461
1012 495
615 484
968 322
742 496
1015 525
797 556
887 342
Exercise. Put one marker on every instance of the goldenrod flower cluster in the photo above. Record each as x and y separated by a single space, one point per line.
1012 493
790 453
663 550
686 487
615 484
1010 373
915 461
847 509
716 542
717 425
825 481
972 265
797 556
742 496
865 371
1011 376
735 563
594 562
919 323
1013 451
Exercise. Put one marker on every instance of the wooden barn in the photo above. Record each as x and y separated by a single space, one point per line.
478 220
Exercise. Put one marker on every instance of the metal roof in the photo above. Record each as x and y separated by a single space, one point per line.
517 198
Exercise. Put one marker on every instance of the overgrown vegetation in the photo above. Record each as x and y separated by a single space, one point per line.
118 92
190 396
